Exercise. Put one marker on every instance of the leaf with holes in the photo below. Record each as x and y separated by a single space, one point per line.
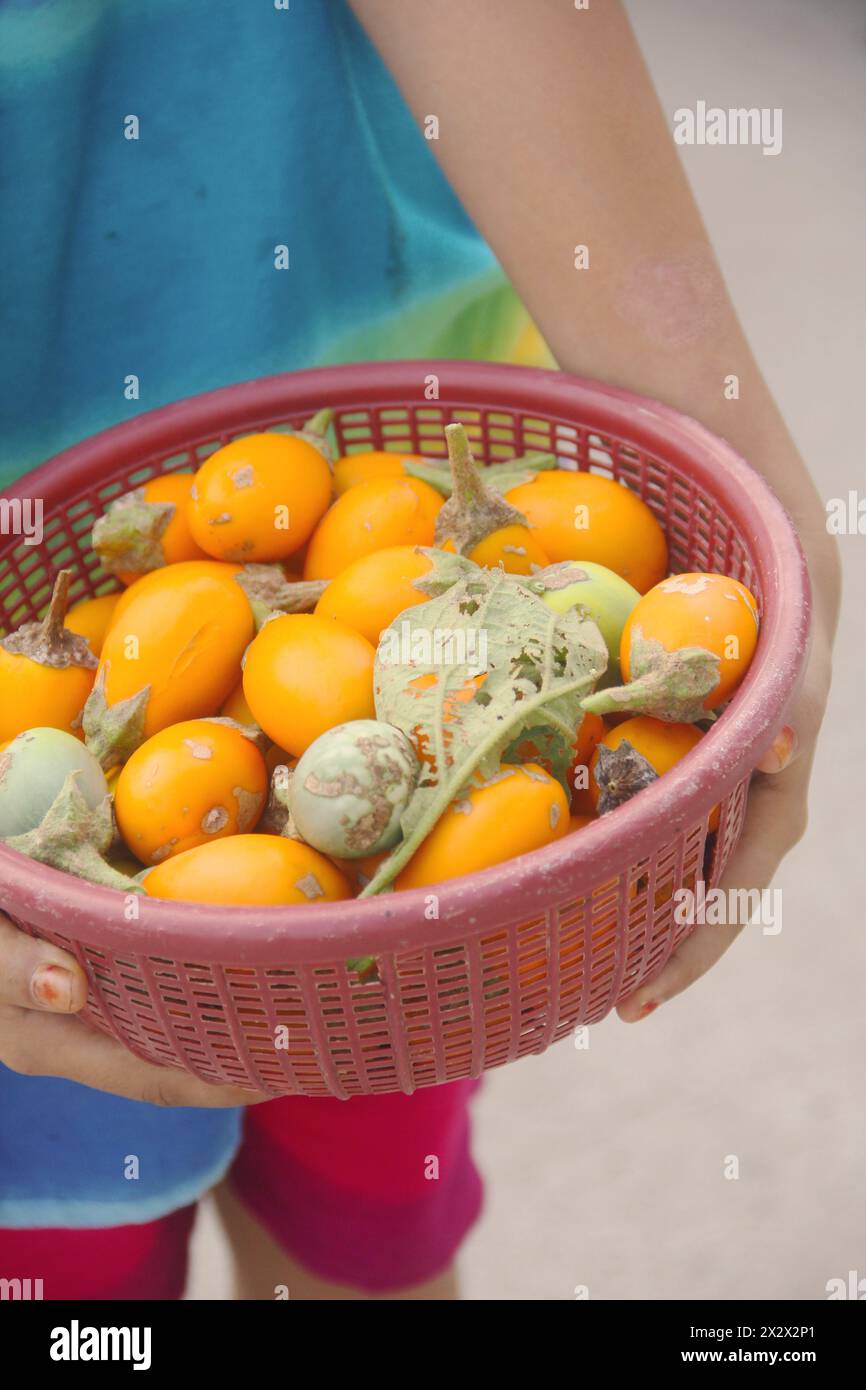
465 673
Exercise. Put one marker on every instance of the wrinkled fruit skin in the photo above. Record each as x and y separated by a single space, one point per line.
351 787
608 598
181 631
33 768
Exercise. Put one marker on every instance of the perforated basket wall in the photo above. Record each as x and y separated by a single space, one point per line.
494 965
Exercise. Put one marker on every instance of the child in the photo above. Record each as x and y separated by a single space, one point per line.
162 155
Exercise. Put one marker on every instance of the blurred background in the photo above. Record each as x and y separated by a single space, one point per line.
606 1166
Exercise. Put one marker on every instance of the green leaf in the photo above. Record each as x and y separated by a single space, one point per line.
436 475
500 476
512 472
466 673
366 967
447 568
550 751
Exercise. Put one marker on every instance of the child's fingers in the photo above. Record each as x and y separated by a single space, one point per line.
36 975
782 751
776 821
38 981
697 954
37 1044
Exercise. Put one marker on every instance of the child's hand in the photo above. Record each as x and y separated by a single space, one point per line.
776 820
40 988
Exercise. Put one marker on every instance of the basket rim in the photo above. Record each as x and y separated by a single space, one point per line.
573 864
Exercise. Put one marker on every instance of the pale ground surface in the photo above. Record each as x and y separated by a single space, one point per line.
605 1167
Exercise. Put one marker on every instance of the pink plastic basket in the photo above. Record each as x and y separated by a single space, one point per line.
519 954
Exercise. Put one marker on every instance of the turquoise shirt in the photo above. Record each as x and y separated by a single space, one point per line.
155 156
252 128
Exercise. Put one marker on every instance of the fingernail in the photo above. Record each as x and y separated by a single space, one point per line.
782 751
648 1008
51 986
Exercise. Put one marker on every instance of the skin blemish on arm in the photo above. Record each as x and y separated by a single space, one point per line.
673 300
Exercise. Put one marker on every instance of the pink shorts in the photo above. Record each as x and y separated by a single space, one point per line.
376 1192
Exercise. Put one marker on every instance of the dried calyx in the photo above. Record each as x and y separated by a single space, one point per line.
113 732
473 511
667 685
47 641
75 837
620 772
128 538
269 591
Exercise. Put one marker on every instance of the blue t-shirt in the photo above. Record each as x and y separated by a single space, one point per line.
155 157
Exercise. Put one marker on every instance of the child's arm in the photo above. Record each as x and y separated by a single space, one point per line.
552 136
